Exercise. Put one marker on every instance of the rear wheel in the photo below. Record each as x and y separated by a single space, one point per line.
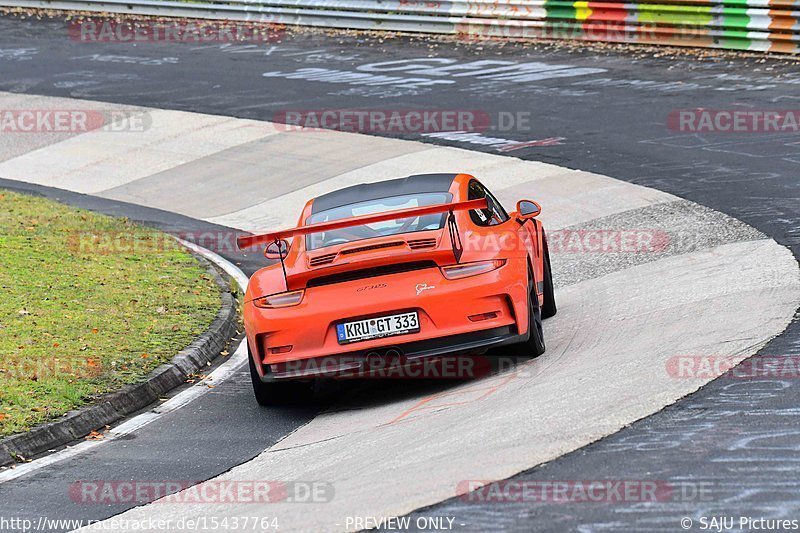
278 393
534 346
549 307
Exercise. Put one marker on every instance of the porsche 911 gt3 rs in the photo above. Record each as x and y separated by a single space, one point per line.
400 270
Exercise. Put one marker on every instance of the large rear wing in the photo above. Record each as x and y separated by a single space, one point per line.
248 241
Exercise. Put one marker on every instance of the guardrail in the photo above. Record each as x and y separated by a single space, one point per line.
758 25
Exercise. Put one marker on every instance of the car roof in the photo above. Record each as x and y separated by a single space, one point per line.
417 184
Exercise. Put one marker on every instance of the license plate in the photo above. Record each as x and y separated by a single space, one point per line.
375 328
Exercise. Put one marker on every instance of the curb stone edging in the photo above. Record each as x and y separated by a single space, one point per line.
114 406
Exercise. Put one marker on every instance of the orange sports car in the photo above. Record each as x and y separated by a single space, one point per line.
402 270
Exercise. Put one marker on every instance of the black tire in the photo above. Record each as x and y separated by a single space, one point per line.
287 393
534 346
549 308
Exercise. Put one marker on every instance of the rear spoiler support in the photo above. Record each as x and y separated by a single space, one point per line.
283 262
455 235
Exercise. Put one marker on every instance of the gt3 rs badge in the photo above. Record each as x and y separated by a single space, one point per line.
370 287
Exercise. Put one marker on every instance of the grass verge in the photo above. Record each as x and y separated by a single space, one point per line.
88 303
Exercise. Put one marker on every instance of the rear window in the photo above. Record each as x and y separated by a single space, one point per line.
379 229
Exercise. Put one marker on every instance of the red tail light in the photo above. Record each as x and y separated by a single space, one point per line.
472 269
283 299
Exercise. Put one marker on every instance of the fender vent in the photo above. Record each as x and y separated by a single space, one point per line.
321 260
418 244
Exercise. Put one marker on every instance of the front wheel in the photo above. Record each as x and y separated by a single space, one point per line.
286 393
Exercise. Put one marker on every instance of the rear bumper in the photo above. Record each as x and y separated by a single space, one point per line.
453 317
362 365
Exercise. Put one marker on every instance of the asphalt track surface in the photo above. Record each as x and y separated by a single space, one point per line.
736 436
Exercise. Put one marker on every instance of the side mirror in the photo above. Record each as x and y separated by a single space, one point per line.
528 209
277 250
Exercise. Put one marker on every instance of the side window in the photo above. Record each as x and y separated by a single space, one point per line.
494 214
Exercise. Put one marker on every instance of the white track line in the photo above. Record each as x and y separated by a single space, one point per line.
218 376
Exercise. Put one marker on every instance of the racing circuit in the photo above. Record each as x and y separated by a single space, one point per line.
209 160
